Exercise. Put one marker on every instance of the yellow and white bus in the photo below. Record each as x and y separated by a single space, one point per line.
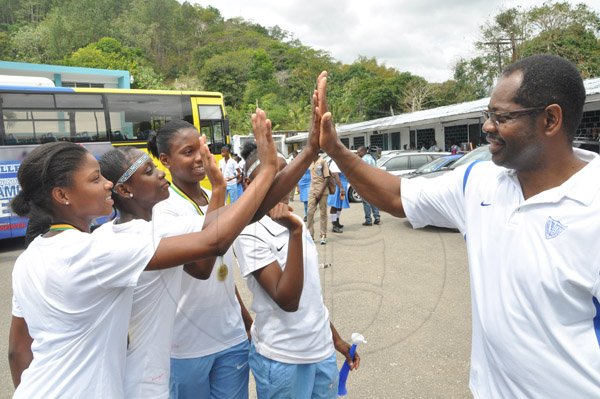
96 118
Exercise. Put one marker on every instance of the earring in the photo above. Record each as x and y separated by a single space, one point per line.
67 203
130 195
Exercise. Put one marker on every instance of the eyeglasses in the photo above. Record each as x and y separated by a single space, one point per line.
499 118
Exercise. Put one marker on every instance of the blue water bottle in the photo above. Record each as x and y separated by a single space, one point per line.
356 339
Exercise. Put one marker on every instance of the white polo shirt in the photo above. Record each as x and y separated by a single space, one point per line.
228 168
299 337
75 291
208 318
535 276
152 316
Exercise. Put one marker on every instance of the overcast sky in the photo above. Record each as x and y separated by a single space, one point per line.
424 37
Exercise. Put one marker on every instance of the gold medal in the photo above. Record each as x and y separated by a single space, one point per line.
222 272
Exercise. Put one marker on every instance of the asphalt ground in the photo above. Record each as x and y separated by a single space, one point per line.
405 290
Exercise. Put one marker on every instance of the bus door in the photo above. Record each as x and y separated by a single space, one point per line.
210 119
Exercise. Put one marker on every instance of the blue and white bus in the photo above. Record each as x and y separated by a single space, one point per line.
98 119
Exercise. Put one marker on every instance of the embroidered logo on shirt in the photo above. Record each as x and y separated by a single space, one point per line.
483 203
280 248
241 365
554 228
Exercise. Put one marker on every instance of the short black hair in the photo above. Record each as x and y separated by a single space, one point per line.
47 166
549 79
160 141
247 149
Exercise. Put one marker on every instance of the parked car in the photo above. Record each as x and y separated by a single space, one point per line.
353 196
400 163
478 154
405 162
587 144
436 164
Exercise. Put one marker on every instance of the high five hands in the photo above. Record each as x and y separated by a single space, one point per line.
322 134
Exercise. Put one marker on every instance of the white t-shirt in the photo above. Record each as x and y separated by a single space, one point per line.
229 170
334 168
75 291
535 276
208 318
299 337
152 316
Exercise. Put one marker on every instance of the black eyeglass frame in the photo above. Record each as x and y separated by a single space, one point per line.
499 118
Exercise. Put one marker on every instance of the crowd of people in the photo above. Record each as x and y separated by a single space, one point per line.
145 306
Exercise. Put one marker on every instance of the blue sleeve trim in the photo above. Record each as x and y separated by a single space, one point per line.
467 173
597 319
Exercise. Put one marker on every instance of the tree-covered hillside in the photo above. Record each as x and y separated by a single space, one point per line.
167 44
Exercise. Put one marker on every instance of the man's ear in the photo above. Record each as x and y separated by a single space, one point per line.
553 118
164 159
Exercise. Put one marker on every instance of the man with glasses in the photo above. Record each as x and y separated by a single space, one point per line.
530 221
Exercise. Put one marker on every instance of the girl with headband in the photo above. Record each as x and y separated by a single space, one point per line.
138 187
72 290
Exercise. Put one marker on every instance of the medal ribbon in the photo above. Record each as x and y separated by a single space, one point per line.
62 227
185 197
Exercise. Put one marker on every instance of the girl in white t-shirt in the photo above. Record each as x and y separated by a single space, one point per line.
72 290
293 342
156 294
210 339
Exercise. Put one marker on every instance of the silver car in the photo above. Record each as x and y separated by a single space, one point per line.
400 163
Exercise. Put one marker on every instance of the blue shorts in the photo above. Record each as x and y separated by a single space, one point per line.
232 193
295 381
220 375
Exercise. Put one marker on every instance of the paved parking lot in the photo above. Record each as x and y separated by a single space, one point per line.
405 290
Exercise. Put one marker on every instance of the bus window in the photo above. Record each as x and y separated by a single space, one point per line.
27 101
79 101
133 116
38 127
218 135
211 125
210 112
90 126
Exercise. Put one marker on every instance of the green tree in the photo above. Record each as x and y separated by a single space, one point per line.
228 73
474 78
109 53
559 28
30 44
502 38
574 43
553 16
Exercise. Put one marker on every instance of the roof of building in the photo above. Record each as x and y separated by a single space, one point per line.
445 114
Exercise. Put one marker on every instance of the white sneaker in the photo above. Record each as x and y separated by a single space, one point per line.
323 240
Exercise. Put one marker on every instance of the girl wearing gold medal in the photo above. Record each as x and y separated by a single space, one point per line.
72 290
209 351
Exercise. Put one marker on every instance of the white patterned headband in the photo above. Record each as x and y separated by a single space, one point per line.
252 168
134 166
